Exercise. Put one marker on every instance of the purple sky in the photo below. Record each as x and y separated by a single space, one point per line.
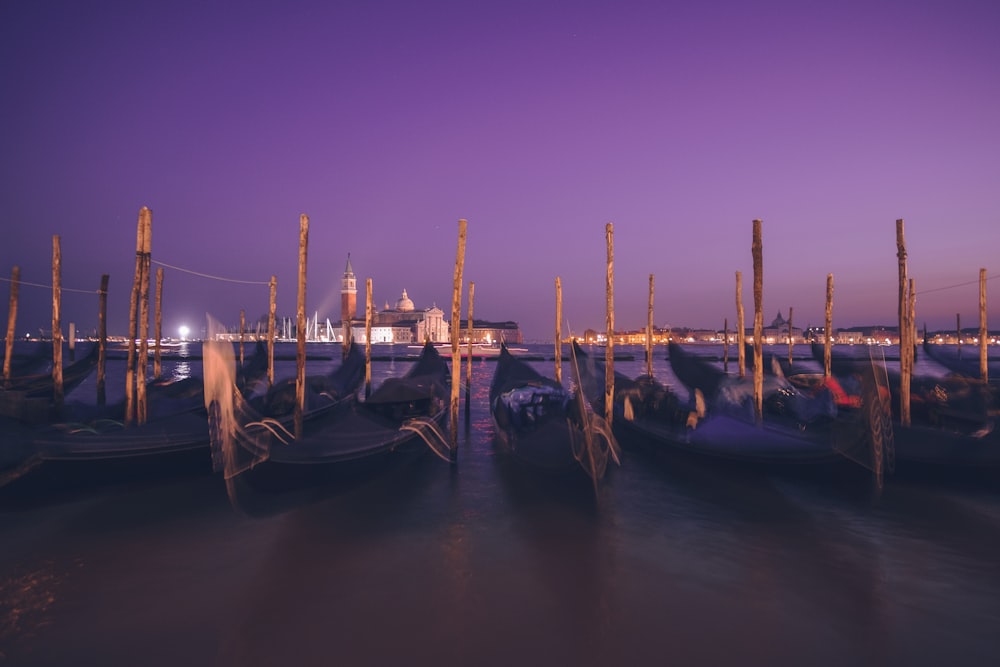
538 122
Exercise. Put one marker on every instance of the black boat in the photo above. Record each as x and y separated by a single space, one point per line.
256 448
718 420
31 363
544 425
29 398
952 418
962 363
89 444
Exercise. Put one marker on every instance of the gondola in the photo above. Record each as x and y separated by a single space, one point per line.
90 444
967 364
543 425
29 398
31 363
718 422
952 418
258 452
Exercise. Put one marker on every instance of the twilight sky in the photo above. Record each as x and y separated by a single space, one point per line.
539 122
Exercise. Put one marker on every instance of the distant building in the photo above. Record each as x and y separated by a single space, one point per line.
404 323
484 331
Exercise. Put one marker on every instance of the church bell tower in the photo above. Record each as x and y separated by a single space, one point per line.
348 293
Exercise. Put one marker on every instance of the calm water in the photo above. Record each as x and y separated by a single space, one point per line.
675 562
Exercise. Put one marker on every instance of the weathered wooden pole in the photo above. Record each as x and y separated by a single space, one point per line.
468 365
102 340
791 344
158 323
609 350
368 337
649 330
15 285
456 323
558 360
57 369
906 355
904 330
133 319
741 339
958 334
828 328
142 357
983 333
300 323
725 345
271 309
71 339
758 321
243 328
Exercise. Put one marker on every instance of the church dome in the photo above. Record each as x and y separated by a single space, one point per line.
403 304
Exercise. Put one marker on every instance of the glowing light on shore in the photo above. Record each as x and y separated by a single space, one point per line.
183 331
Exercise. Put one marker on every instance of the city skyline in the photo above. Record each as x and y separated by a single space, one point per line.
537 123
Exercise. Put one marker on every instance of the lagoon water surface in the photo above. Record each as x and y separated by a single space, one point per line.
674 562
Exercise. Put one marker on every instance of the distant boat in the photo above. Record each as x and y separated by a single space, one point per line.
478 349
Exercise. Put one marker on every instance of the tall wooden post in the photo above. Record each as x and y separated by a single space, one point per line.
271 325
300 324
958 334
57 374
142 358
558 330
904 330
741 353
828 328
158 323
133 320
758 321
983 333
368 337
791 343
102 340
649 330
468 365
71 339
15 285
456 323
609 350
243 328
725 345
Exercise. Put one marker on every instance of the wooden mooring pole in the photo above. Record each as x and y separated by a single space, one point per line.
243 328
757 251
15 285
133 320
468 364
142 356
725 345
102 340
609 350
57 369
368 337
791 343
958 334
649 330
558 361
158 323
456 322
271 325
983 332
300 324
741 339
904 330
828 328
